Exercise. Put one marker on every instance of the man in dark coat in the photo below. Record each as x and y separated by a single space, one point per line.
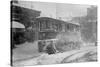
49 48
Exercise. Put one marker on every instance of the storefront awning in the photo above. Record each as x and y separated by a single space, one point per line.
17 25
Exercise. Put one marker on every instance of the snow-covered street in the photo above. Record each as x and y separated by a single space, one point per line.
64 57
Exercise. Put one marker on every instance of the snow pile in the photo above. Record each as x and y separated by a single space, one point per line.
68 41
25 50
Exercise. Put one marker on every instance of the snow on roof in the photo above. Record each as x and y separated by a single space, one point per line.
17 25
74 22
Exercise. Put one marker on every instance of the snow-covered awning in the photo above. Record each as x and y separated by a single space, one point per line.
17 25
